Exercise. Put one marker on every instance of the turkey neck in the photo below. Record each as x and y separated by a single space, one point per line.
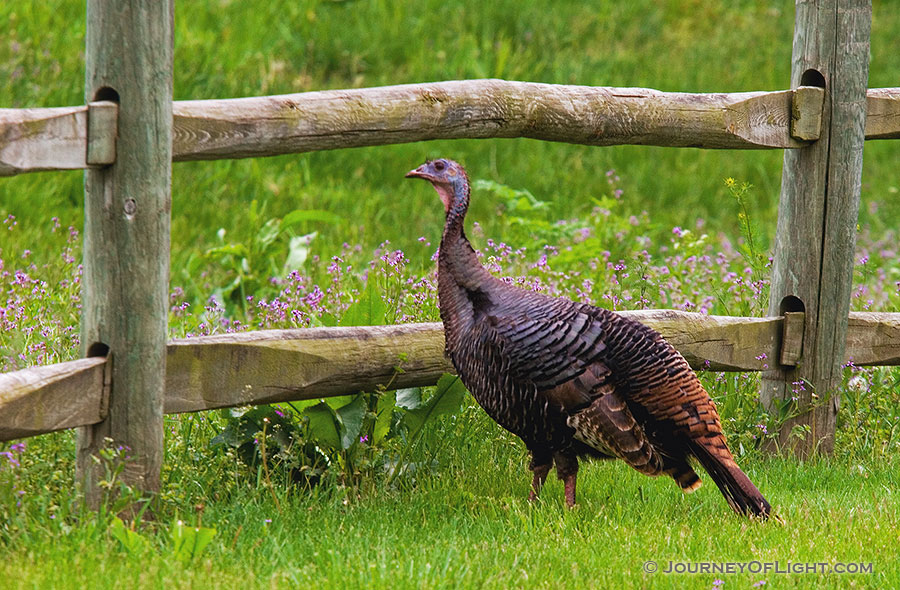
463 284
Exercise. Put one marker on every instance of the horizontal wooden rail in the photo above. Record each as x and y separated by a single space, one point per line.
32 140
883 113
53 397
58 138
283 365
480 109
873 339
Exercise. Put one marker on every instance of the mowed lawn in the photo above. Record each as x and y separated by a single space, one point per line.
467 524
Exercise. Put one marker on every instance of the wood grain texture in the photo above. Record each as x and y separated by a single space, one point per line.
873 339
102 131
54 139
280 365
54 397
32 140
883 113
284 365
265 126
806 113
126 234
792 338
815 235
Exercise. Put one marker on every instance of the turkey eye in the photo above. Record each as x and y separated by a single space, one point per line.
439 166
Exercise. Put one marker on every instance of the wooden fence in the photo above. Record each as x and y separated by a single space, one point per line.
130 131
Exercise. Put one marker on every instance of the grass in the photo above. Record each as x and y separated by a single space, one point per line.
457 515
227 49
642 227
467 523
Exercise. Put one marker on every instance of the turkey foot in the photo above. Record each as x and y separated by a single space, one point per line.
540 476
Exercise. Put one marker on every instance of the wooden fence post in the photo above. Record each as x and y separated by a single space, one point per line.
816 232
126 236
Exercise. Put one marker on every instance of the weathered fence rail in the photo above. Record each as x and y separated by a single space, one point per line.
59 138
271 366
52 397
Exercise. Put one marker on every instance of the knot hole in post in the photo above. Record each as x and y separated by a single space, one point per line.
98 349
812 77
130 207
791 304
106 93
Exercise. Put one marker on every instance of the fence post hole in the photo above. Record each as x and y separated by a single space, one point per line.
126 237
816 233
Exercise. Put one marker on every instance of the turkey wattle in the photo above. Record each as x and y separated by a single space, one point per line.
573 380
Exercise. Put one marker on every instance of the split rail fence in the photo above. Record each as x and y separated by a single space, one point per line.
130 131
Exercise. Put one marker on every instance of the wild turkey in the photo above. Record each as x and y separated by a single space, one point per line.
572 380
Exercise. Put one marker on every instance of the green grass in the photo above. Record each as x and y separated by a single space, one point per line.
466 523
228 49
459 519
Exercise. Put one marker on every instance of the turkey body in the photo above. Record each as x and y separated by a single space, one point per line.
573 380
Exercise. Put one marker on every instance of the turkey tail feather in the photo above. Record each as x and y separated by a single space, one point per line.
739 491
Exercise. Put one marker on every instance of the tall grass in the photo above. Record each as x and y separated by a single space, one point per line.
228 49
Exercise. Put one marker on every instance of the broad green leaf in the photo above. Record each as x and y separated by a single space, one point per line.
369 309
323 425
446 400
326 318
189 542
235 412
236 432
301 215
268 233
384 414
409 398
132 541
514 199
351 418
339 401
297 406
298 251
235 249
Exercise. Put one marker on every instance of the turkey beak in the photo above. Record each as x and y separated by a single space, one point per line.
419 173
